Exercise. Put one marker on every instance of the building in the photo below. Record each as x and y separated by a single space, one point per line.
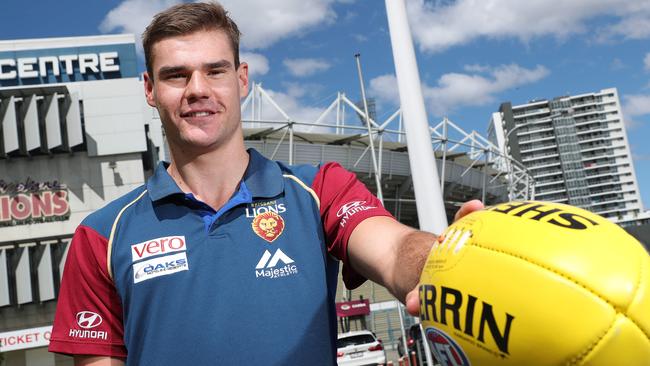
76 133
577 150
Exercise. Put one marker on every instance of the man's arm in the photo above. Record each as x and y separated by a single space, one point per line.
84 360
393 254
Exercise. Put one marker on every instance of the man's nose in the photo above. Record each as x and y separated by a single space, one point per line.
197 87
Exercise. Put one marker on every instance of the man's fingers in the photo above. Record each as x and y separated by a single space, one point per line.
468 207
412 298
413 302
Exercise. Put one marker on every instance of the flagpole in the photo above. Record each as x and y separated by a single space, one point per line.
428 195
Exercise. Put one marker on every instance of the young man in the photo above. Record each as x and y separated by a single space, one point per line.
223 257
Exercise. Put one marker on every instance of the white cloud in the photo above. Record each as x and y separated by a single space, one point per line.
290 102
635 105
264 22
646 62
455 90
305 66
133 16
384 88
437 26
261 22
630 27
476 68
258 64
360 37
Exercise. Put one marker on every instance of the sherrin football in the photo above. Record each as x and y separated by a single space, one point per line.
536 283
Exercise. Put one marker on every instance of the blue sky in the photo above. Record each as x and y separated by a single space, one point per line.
472 54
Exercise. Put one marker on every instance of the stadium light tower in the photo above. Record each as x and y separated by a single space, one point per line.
428 195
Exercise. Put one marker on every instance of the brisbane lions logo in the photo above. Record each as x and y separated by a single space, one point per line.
268 225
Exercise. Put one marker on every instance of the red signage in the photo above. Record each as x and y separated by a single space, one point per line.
353 308
30 202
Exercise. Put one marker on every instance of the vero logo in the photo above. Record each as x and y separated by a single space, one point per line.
268 261
167 244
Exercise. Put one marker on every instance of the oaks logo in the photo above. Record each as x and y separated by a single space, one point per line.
268 226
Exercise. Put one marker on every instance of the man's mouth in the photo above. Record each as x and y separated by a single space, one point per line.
196 114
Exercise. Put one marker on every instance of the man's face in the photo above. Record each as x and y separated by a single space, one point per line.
197 89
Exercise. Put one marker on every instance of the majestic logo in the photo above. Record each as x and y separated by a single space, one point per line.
164 245
268 226
269 262
160 266
445 349
350 209
268 265
88 319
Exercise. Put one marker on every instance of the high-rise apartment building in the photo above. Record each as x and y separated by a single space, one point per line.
577 150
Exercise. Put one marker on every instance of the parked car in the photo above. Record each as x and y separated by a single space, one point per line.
359 348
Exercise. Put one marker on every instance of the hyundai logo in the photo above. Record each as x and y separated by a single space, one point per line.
88 319
349 206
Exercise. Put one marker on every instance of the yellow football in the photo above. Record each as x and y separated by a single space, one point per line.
536 283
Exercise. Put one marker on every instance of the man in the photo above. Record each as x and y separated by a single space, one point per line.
222 257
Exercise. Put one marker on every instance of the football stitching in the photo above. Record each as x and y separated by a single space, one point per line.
642 269
526 259
580 356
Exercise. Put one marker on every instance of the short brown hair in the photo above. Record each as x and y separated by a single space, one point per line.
183 19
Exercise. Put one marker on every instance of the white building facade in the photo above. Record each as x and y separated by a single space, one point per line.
577 150
75 134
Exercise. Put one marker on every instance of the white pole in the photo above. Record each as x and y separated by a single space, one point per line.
428 196
371 139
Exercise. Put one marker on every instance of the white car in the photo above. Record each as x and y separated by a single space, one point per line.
359 348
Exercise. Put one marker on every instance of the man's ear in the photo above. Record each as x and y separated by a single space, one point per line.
242 75
148 90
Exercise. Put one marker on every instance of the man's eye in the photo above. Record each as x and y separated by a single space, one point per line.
215 72
176 76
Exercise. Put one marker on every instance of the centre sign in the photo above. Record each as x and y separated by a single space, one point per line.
75 59
34 67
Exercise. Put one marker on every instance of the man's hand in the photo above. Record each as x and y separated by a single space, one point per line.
412 301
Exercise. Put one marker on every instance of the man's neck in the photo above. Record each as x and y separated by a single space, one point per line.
212 177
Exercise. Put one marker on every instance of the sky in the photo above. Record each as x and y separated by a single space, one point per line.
472 55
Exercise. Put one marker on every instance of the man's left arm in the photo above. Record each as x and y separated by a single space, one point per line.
392 254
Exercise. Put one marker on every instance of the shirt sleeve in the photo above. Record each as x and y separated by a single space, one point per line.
88 317
344 203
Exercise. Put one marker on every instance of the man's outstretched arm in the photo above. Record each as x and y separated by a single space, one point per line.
393 254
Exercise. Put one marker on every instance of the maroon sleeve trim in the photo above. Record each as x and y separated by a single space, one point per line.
345 203
77 348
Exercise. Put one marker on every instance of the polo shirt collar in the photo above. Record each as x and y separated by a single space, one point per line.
263 178
161 184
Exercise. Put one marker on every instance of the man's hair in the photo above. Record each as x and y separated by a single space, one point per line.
184 19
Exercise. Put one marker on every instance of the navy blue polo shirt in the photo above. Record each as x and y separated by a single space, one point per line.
161 278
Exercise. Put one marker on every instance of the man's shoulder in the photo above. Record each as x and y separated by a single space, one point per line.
302 171
308 172
102 219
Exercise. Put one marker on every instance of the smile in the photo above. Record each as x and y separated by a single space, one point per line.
196 114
